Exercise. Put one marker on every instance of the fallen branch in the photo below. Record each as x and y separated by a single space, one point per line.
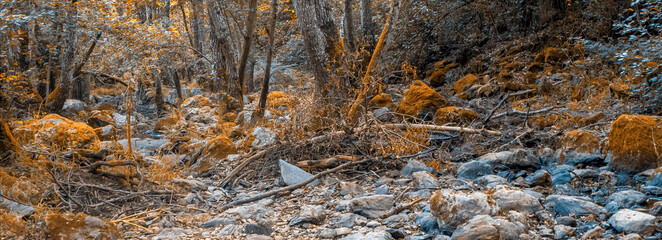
129 196
504 100
515 112
246 161
94 168
441 128
324 163
290 188
401 208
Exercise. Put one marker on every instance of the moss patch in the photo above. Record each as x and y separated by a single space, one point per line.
57 132
635 143
381 100
461 85
455 115
419 96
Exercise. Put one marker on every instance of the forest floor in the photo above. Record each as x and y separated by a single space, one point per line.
546 145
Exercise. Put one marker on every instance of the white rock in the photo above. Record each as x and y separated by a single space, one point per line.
263 137
293 175
629 221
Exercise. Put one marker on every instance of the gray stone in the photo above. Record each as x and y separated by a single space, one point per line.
455 208
514 199
257 237
173 233
656 209
566 220
261 228
652 190
350 188
426 221
491 181
292 175
383 189
626 199
539 178
218 222
372 224
263 137
595 233
562 174
378 235
631 236
415 166
486 227
564 232
523 158
495 158
17 208
629 221
383 114
309 214
73 106
424 179
565 205
587 173
348 220
473 170
372 206
229 230
396 221
566 189
656 181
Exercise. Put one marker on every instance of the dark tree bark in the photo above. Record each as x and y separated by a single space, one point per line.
225 63
349 25
158 93
367 25
248 38
250 70
81 87
196 24
267 71
86 57
56 99
178 84
321 42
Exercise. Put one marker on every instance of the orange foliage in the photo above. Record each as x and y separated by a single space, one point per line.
461 85
419 96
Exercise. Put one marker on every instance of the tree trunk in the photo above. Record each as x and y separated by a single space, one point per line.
158 93
196 24
178 84
248 36
321 42
80 65
250 81
81 88
56 99
225 65
267 71
366 24
349 26
7 141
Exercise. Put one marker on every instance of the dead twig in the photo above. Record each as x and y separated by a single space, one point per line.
324 163
401 208
515 112
503 101
290 188
441 128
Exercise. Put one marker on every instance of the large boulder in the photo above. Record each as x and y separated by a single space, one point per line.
579 146
216 150
635 143
566 205
57 132
420 99
629 221
510 199
372 206
455 208
488 228
455 115
79 226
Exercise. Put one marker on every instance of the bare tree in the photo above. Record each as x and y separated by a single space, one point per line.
366 24
321 41
349 25
225 65
196 24
248 38
267 71
56 99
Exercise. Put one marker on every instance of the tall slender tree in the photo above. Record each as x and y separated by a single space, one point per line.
248 38
366 24
267 71
349 25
